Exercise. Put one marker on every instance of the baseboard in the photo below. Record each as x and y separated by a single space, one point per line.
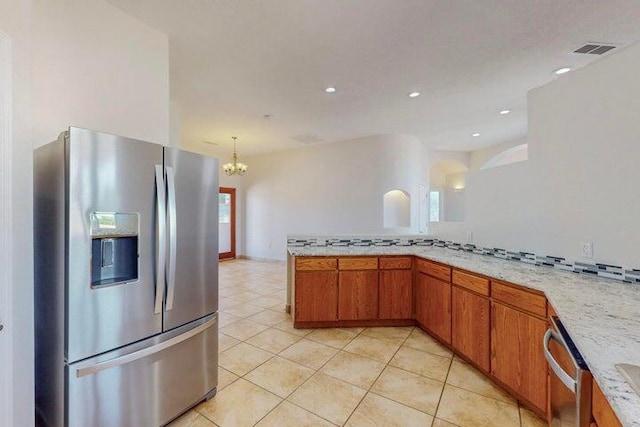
353 323
255 258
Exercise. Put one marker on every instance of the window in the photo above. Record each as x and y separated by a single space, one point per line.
434 206
224 208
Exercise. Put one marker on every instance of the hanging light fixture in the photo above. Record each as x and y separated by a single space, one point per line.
235 167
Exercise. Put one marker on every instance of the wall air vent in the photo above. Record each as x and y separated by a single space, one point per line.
595 48
307 138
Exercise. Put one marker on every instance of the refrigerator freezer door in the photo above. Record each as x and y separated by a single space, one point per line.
111 182
147 383
192 224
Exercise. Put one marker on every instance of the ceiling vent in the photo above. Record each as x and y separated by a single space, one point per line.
595 48
307 138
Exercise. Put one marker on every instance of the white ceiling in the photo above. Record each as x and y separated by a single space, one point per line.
234 61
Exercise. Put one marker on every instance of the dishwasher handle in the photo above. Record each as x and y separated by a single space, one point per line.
565 378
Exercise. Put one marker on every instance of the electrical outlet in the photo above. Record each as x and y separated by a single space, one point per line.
587 249
321 241
404 240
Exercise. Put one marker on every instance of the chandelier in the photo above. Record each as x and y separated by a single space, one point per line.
235 167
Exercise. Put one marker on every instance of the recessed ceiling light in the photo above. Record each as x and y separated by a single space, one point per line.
503 112
563 70
330 89
414 94
475 134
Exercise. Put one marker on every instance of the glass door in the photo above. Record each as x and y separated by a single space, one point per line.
227 223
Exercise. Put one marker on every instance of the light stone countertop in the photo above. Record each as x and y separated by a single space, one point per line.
601 315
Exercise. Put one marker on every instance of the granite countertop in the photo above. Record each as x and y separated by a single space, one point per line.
601 315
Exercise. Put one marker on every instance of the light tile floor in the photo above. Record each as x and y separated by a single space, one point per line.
273 375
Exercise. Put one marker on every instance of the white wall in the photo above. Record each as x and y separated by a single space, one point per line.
479 157
96 67
448 169
579 183
15 19
74 63
397 209
454 197
329 189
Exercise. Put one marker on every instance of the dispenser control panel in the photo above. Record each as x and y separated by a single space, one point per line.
114 248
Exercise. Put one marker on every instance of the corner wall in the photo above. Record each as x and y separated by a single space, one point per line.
579 183
335 188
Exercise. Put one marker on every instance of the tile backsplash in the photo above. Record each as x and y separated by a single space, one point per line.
603 270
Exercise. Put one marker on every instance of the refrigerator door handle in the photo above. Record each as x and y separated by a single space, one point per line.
128 358
161 242
171 206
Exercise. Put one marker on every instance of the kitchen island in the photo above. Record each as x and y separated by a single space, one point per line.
601 315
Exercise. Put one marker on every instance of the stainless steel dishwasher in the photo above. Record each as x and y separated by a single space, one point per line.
571 381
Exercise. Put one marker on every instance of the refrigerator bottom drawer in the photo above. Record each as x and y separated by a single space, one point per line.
146 387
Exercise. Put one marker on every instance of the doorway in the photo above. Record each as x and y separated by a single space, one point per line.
227 223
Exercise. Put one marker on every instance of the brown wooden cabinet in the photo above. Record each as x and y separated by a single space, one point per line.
602 412
420 299
517 359
396 294
358 295
433 305
316 296
396 288
496 325
471 326
358 288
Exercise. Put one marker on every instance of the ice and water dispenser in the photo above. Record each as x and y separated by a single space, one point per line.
114 248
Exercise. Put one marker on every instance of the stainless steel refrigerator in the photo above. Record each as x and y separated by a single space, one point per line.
126 281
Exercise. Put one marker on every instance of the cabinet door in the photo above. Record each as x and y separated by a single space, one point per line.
420 299
517 358
602 411
434 308
396 294
470 324
316 296
358 295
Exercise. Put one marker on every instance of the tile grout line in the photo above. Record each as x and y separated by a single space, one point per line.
338 379
443 387
245 341
286 399
340 350
374 381
247 373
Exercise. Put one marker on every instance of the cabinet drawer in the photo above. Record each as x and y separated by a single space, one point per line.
524 300
471 281
315 263
399 263
435 270
358 263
